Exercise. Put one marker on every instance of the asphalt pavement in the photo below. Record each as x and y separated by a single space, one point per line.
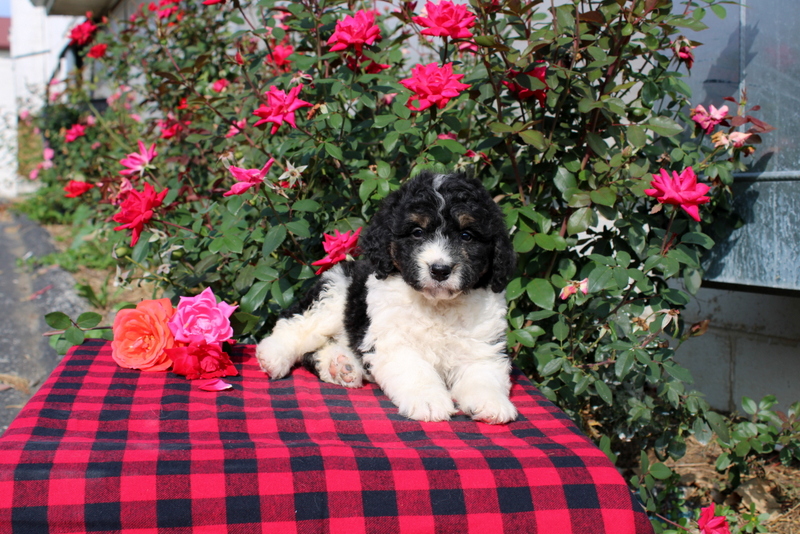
26 295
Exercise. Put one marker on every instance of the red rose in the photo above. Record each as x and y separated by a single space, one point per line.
97 51
201 360
82 33
137 209
75 188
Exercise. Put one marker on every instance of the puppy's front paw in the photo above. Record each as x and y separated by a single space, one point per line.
489 408
430 406
273 358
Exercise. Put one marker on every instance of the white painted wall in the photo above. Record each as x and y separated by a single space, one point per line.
36 44
8 125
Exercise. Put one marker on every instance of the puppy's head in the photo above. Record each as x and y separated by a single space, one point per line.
443 234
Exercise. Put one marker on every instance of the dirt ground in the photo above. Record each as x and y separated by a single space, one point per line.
771 486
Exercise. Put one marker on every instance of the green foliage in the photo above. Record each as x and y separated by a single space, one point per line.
569 174
766 431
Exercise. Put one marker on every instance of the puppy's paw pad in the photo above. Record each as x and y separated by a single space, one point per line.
339 366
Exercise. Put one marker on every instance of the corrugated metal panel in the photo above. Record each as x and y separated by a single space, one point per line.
757 47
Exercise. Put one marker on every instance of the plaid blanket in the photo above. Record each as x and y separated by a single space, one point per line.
101 448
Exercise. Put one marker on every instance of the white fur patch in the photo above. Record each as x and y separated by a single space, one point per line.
321 323
424 354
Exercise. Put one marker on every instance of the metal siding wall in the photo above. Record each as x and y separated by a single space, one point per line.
757 47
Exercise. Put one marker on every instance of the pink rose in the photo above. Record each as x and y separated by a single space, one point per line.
355 31
338 246
433 86
447 19
75 131
572 287
280 107
220 85
707 120
202 319
708 523
679 190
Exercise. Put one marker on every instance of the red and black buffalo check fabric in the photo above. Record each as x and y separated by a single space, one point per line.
101 448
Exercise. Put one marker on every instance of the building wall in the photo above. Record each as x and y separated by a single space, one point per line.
8 124
752 347
36 44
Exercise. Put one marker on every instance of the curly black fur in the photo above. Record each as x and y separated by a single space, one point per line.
468 208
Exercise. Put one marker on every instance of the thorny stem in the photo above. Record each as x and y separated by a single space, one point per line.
667 240
238 6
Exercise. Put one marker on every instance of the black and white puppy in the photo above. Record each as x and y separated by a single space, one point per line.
423 314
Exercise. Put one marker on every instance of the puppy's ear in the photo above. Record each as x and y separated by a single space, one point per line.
504 262
376 241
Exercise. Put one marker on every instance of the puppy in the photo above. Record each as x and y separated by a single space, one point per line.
423 314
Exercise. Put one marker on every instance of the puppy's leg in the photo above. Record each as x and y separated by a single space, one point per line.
308 331
337 364
481 389
412 383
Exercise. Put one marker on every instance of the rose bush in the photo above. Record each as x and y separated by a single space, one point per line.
573 116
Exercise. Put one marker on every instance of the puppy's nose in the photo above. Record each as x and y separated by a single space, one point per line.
440 272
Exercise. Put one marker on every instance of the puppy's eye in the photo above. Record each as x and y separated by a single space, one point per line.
466 236
417 232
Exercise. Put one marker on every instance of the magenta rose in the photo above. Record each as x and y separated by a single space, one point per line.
201 319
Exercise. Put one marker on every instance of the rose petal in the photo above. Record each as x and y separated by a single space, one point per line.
215 385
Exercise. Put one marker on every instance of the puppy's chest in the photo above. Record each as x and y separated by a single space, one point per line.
394 306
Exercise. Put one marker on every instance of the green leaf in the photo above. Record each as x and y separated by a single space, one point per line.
527 336
597 144
553 366
334 151
624 364
88 320
514 289
719 11
523 242
255 297
750 406
299 228
545 241
74 335
696 238
664 126
243 323
604 392
232 242
306 205
660 471
605 446
534 138
718 425
561 330
678 372
382 121
273 240
604 196
58 320
541 292
579 221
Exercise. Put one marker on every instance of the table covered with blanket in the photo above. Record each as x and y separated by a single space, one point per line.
101 448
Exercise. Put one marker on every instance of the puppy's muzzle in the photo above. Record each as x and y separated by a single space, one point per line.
440 272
